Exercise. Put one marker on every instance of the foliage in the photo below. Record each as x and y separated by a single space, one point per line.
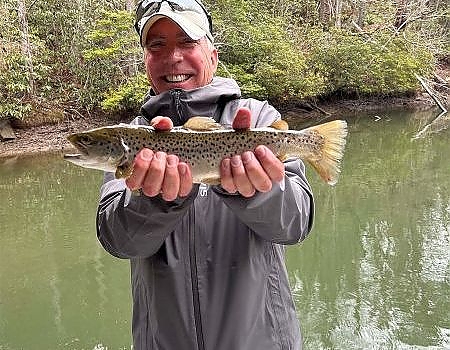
256 51
128 96
85 55
15 74
113 58
379 64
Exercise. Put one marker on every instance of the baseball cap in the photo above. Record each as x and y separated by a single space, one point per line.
190 15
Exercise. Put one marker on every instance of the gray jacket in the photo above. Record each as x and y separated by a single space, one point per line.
208 270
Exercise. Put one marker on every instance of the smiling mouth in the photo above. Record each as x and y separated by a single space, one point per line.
179 78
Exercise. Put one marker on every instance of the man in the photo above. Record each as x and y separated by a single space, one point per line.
207 263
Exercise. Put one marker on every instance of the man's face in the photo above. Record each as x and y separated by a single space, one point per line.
173 60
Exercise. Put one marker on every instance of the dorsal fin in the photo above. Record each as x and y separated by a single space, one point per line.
280 125
202 124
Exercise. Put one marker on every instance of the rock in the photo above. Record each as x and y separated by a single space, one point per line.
6 131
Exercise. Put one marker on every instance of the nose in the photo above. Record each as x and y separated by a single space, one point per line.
176 53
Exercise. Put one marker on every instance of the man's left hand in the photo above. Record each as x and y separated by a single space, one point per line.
252 170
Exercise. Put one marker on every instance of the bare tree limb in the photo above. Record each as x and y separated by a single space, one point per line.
431 93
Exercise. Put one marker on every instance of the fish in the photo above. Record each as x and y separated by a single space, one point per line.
203 143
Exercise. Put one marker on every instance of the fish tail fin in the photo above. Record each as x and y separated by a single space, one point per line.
331 151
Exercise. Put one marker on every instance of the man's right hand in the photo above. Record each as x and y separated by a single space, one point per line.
160 173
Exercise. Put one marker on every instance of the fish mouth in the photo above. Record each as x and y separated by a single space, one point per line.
76 158
80 146
85 161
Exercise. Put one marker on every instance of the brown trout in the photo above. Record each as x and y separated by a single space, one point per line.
203 143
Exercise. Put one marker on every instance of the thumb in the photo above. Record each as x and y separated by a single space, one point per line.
242 119
162 123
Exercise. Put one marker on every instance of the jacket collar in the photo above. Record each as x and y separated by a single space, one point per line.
180 105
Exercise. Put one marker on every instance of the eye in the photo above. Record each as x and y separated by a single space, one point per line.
86 140
188 42
154 45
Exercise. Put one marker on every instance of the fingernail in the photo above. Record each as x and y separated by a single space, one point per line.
159 155
146 154
225 163
236 161
260 151
171 161
182 169
247 157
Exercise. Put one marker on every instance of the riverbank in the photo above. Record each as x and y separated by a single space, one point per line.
51 138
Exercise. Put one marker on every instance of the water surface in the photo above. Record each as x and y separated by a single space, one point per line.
373 274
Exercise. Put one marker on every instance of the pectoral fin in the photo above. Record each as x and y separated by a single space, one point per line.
124 170
125 167
283 157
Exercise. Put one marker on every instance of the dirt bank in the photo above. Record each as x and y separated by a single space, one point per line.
31 140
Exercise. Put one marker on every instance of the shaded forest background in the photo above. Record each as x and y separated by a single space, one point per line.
61 60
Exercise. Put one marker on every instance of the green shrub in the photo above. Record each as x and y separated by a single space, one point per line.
115 63
128 97
255 48
355 64
17 80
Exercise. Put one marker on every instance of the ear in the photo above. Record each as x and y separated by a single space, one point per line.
214 60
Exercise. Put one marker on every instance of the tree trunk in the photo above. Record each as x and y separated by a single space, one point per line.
362 5
330 12
337 13
401 14
26 44
325 12
130 5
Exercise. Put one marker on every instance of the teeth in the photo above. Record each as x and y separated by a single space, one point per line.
177 78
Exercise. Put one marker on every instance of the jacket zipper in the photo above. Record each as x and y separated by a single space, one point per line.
194 281
176 97
192 251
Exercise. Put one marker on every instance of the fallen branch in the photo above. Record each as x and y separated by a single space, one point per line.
431 93
320 109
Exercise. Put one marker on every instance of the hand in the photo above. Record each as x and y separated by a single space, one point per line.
159 172
253 170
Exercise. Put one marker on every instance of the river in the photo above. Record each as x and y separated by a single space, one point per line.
373 274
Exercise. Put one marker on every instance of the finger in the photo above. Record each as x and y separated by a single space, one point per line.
155 175
226 177
242 119
255 172
271 164
241 181
140 167
171 182
185 179
162 123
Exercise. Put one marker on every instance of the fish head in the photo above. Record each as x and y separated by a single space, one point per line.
98 149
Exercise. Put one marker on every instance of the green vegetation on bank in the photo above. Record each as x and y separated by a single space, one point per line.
62 60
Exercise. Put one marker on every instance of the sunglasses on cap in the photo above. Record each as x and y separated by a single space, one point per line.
147 8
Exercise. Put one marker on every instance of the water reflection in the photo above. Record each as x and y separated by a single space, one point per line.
374 274
53 274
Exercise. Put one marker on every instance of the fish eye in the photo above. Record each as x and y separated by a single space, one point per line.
86 139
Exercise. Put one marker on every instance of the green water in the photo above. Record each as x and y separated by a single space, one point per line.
373 274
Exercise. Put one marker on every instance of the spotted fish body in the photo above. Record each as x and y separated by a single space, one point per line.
203 143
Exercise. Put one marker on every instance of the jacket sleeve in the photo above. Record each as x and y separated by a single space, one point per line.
285 214
130 225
